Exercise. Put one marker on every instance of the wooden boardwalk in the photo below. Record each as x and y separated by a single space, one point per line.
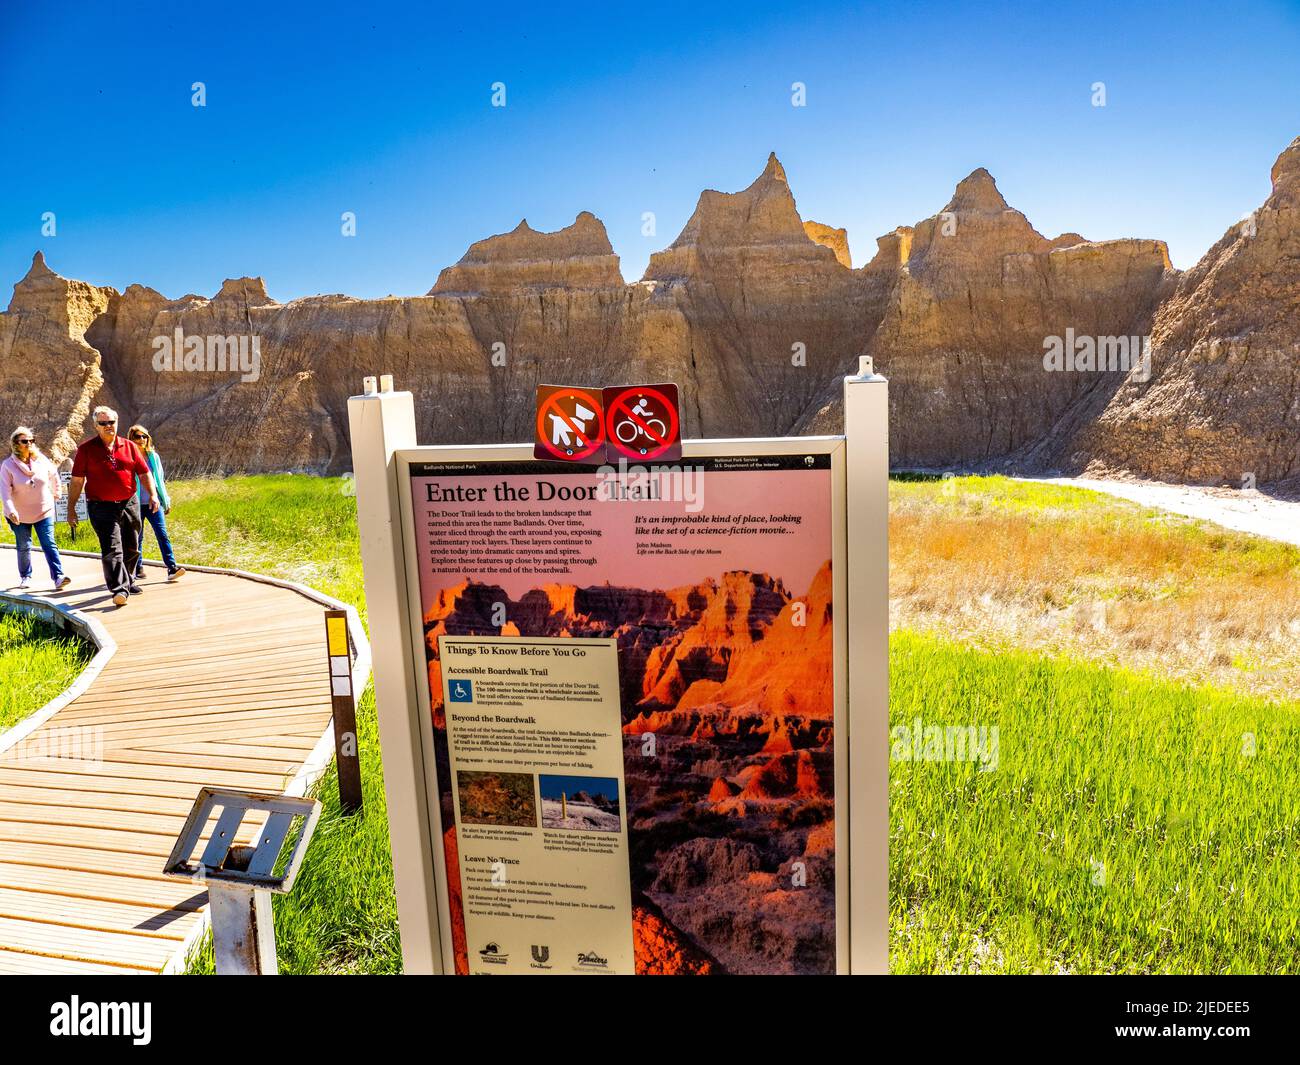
217 680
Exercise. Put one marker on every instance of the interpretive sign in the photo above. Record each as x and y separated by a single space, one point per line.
61 504
535 753
673 794
710 586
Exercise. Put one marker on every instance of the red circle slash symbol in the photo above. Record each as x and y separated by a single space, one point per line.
564 432
645 428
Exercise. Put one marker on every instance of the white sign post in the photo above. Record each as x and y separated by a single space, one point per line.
866 434
396 533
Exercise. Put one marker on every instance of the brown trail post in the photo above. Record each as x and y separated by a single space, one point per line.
343 699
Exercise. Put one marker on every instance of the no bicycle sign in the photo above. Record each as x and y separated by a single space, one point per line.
641 422
636 422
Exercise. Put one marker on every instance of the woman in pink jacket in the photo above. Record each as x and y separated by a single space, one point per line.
29 485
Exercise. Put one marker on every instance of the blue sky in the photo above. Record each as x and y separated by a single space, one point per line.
385 110
552 785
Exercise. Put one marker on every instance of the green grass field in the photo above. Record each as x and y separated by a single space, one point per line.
37 662
1135 822
1130 826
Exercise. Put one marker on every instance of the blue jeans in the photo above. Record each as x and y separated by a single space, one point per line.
158 520
45 533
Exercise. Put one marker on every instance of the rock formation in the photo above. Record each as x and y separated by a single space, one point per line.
1222 404
766 315
970 294
835 239
754 312
49 376
576 257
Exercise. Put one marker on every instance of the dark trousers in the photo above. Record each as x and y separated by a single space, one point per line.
118 527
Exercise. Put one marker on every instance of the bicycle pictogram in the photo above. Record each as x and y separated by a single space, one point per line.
627 430
641 421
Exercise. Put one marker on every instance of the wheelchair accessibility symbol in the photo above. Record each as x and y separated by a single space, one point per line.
462 691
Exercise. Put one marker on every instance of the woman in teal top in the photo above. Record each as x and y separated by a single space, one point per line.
157 518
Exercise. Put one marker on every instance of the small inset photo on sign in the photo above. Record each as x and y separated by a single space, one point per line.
497 799
583 804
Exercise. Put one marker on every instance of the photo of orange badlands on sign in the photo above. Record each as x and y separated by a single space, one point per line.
725 669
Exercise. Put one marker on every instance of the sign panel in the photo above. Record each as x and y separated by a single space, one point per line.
61 504
642 423
717 581
570 424
535 748
336 633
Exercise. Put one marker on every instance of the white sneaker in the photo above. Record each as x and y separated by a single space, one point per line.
64 581
25 583
119 599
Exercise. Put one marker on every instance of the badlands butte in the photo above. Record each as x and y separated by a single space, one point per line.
757 314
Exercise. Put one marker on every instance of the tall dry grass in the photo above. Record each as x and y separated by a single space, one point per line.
998 563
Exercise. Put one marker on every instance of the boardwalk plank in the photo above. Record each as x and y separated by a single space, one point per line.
238 700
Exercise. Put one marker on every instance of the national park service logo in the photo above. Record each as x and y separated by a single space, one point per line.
491 954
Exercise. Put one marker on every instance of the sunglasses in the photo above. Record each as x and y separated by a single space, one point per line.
27 440
105 425
139 436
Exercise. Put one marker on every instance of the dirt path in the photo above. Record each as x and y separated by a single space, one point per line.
1247 511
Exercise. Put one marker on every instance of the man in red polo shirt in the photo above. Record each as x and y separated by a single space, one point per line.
107 465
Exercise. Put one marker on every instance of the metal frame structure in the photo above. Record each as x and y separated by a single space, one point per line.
241 879
259 868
